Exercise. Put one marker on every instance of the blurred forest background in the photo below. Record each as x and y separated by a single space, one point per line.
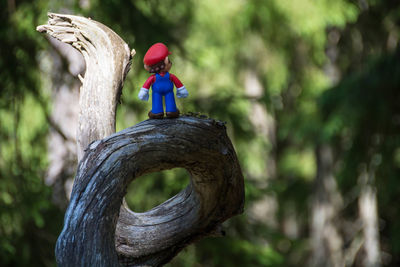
310 92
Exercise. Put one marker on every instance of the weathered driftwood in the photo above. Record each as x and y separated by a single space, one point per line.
98 231
107 59
214 194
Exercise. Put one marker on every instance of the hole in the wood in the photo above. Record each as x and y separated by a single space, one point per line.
151 190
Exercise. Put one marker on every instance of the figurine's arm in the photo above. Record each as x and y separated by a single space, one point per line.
181 91
144 91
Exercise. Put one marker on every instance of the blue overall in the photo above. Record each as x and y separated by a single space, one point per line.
163 86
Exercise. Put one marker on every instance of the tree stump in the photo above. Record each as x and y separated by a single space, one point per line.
98 230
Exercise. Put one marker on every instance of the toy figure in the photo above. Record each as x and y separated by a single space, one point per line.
162 82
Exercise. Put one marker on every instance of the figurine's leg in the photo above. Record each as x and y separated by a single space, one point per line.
170 105
157 111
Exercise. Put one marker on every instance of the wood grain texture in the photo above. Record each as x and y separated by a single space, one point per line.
152 238
107 59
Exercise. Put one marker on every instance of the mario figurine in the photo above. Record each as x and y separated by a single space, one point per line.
162 82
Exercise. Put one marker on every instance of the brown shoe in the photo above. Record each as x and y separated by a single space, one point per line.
156 116
172 115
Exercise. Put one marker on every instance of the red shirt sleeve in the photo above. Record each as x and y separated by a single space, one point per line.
149 81
175 80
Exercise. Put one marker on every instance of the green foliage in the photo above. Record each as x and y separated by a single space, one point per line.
240 253
27 234
160 186
368 107
262 66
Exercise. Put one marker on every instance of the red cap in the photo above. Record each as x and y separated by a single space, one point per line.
156 53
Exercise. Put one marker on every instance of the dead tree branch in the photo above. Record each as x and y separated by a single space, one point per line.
107 59
214 194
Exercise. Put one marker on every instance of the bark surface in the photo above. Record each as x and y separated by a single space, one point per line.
327 242
98 231
152 238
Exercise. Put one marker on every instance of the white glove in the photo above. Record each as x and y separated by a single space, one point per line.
144 94
181 92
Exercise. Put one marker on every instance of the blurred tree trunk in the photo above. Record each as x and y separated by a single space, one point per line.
263 209
327 201
368 208
66 64
326 240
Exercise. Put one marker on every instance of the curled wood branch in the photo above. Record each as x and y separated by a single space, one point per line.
152 238
98 231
